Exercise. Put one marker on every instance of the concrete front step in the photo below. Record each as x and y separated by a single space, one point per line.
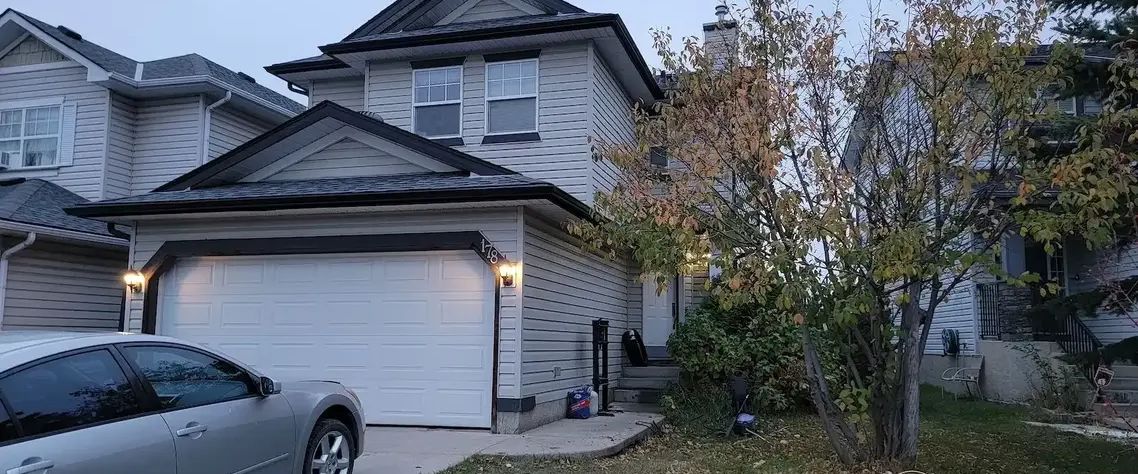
1125 371
1124 383
652 372
1120 396
653 384
637 395
1128 410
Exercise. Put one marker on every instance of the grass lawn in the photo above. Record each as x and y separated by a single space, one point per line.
957 436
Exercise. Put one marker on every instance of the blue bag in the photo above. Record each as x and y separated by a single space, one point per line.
578 403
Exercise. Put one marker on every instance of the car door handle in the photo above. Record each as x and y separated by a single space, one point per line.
33 466
190 429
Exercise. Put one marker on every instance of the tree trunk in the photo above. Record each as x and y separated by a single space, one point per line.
843 439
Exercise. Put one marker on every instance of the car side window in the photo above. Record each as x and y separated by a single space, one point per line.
69 392
184 378
7 427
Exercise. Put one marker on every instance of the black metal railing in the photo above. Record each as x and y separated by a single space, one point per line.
1077 339
988 310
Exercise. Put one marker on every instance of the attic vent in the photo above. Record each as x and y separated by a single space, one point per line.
373 115
70 33
246 77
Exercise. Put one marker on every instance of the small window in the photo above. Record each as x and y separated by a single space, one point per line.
1091 106
437 109
184 378
29 137
511 97
69 392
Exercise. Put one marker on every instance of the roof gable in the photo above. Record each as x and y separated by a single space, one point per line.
412 14
316 130
348 153
479 10
29 51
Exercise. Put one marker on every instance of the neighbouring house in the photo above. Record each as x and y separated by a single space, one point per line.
991 317
79 123
405 234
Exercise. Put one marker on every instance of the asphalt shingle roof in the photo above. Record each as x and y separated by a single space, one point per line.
178 66
476 25
42 203
330 187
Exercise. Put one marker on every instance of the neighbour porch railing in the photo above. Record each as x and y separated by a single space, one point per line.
1077 338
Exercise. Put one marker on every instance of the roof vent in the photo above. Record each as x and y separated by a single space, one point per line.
70 33
246 77
372 115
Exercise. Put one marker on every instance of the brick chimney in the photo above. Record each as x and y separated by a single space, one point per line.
720 38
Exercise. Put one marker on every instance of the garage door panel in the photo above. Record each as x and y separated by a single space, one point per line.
412 334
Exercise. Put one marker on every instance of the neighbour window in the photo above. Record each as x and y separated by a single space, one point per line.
1091 106
1065 106
511 97
184 378
29 136
69 392
437 109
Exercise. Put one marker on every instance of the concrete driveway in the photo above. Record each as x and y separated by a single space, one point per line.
392 450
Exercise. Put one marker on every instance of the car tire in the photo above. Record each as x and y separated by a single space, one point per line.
330 448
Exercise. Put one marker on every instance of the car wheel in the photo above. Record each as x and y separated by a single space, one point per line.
330 449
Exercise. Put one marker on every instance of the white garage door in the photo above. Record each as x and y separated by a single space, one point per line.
411 333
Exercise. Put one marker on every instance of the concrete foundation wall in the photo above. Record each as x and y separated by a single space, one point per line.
1007 374
542 413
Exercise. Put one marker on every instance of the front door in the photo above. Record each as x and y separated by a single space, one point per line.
659 317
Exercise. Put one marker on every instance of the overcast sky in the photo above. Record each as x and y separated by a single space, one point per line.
247 35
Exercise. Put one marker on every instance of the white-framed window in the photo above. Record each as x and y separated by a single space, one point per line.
30 136
1057 267
511 97
437 105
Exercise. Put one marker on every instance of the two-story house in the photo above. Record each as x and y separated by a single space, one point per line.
79 122
405 234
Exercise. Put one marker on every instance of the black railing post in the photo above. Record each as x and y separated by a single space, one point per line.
601 363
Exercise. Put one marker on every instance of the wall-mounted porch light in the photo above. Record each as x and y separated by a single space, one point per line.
507 271
134 280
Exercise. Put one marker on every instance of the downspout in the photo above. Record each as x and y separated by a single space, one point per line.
206 123
28 241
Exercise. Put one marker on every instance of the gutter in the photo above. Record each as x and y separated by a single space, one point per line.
28 241
209 80
206 123
65 234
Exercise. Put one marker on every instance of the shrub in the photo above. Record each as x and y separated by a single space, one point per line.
752 340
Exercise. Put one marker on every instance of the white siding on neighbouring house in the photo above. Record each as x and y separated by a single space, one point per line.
347 158
610 120
489 10
500 226
563 155
229 128
565 289
1088 270
62 287
347 91
84 176
120 147
167 142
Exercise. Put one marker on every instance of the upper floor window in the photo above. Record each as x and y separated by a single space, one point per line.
29 136
437 105
511 97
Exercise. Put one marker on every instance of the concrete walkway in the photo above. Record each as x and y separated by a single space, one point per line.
390 450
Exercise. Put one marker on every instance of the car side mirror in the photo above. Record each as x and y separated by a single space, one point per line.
268 386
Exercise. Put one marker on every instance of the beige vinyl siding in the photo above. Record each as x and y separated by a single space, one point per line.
167 141
567 288
84 176
489 10
498 225
64 287
348 92
611 119
120 147
30 51
562 157
229 128
347 158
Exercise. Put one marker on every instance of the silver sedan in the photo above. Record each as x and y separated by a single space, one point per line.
115 403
